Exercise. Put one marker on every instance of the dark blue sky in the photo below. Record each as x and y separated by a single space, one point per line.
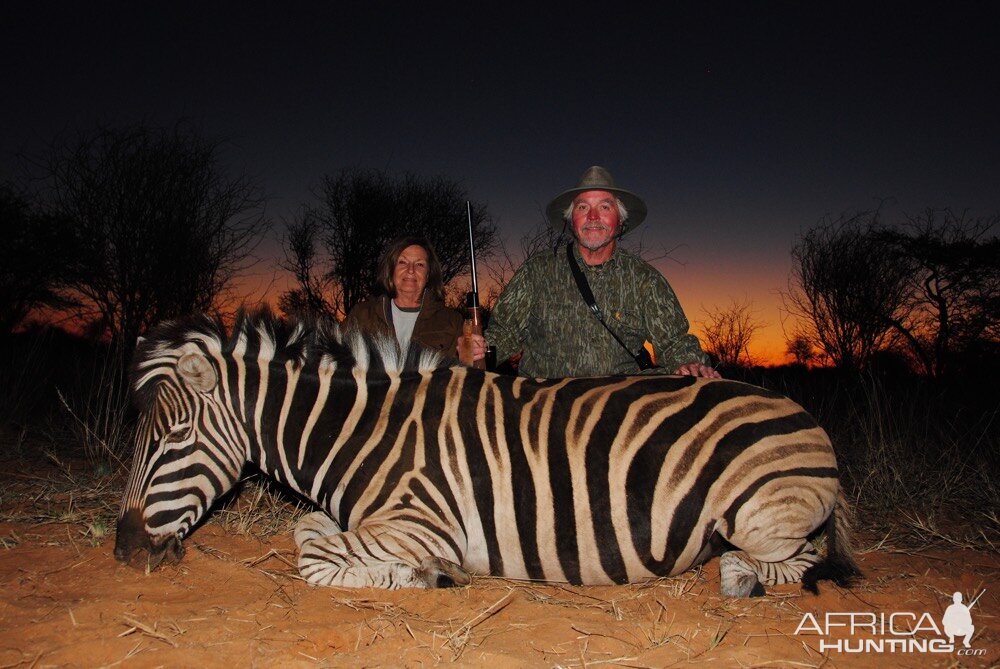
739 123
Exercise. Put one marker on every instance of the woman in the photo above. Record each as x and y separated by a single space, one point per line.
411 306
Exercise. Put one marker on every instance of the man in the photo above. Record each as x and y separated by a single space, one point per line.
542 311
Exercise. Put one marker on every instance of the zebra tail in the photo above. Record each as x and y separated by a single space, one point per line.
838 565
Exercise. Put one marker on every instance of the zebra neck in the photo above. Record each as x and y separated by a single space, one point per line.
312 431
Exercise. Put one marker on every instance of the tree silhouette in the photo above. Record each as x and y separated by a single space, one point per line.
359 213
539 239
728 333
317 294
160 229
847 289
801 349
954 285
33 258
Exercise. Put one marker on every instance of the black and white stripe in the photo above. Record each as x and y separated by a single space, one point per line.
435 472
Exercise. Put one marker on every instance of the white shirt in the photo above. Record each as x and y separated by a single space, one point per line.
403 320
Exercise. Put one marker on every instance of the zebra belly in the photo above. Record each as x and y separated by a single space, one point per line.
769 519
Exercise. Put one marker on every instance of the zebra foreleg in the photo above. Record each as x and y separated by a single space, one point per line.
743 575
369 557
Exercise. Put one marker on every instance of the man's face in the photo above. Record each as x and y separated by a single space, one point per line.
595 219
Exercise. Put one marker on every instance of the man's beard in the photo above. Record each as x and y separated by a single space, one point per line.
595 245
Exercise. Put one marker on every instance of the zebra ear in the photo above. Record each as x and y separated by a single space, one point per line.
197 372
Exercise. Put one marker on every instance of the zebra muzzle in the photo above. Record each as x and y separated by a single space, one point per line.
135 547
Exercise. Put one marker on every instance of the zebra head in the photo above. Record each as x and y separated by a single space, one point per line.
189 448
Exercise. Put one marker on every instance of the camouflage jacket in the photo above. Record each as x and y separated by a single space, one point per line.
542 313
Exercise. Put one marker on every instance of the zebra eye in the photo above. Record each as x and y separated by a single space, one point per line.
177 434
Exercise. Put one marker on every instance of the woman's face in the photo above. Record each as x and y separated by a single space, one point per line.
410 273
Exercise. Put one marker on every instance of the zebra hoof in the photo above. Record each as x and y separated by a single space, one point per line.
739 579
437 572
743 585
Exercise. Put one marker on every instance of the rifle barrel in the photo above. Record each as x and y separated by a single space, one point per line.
472 249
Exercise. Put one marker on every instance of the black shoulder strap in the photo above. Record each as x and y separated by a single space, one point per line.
581 283
588 297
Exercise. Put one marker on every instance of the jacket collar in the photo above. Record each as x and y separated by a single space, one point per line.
610 262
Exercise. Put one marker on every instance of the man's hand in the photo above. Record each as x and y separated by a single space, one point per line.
697 369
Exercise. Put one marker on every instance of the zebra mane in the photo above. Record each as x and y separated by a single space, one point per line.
301 341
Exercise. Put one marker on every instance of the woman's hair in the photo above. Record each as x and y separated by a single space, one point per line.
390 256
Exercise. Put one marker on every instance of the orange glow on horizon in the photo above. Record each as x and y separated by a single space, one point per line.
767 347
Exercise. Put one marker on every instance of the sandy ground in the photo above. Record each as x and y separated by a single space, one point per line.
237 601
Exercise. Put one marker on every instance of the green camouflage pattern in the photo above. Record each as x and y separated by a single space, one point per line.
542 313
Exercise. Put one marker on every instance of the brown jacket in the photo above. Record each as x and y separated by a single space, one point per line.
438 327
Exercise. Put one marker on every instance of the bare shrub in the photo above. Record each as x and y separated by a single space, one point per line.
101 419
729 331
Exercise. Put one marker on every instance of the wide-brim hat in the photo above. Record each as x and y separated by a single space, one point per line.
597 178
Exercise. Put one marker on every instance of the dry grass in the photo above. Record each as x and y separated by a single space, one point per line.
87 498
152 630
259 508
97 406
82 499
638 621
918 465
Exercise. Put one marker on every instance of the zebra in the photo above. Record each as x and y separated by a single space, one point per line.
426 473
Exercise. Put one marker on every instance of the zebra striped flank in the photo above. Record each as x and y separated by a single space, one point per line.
424 473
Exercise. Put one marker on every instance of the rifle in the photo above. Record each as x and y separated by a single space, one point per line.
473 312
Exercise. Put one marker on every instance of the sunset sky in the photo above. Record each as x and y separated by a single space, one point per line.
741 124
